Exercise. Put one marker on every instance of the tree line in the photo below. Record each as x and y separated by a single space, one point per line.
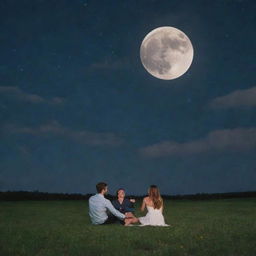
37 195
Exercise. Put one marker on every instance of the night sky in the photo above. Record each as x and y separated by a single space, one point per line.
77 106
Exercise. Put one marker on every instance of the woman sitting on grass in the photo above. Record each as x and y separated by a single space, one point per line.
154 204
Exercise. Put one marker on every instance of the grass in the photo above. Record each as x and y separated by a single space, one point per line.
51 228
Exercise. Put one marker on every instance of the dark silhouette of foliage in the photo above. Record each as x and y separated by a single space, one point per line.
36 195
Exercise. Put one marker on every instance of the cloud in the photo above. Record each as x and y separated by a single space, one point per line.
17 93
82 136
239 139
25 151
237 98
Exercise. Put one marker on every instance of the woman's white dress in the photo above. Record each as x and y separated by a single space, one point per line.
154 217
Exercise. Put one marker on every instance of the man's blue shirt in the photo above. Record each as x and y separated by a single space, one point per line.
126 205
98 207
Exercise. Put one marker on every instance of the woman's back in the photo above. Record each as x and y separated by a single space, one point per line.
150 202
154 217
154 204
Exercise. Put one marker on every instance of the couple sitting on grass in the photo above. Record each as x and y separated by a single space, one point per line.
102 211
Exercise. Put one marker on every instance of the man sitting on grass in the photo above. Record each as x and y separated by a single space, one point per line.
124 205
99 207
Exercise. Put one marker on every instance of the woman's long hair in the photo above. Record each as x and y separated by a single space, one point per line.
155 196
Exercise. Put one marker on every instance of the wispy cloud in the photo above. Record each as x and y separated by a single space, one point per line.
19 94
237 98
24 150
81 136
239 139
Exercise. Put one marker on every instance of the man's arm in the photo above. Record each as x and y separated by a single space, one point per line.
111 208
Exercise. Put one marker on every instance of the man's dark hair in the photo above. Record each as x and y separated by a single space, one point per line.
119 190
100 186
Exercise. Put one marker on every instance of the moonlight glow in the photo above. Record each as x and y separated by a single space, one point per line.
166 53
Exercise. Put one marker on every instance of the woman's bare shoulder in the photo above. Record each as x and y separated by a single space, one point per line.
145 199
148 201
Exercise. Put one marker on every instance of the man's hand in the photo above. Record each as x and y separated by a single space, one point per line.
132 200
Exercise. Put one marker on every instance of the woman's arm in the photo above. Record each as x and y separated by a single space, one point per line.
142 208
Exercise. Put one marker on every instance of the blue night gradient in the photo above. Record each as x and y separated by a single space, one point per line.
77 107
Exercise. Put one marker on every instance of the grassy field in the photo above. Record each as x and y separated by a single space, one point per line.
216 227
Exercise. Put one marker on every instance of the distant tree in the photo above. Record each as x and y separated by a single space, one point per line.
36 195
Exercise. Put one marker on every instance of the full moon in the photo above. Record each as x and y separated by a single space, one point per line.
166 53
